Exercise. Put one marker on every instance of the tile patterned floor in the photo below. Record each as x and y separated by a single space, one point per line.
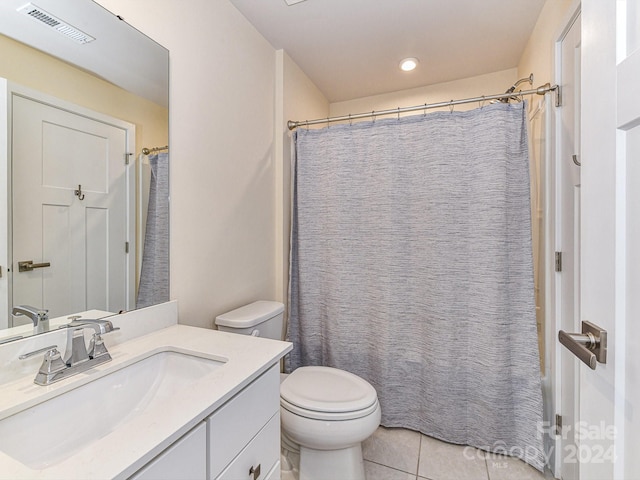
399 454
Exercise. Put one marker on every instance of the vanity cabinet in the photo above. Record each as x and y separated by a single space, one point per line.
241 439
260 458
246 416
186 458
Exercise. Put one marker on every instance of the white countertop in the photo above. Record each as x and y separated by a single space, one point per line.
123 451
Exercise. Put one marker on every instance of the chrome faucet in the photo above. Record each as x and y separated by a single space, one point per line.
77 351
39 316
77 357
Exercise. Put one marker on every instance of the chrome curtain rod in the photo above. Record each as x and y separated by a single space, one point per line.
538 91
147 151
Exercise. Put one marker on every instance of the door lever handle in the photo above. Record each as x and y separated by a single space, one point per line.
590 346
28 265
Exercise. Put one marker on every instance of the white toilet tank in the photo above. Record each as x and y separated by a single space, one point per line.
261 319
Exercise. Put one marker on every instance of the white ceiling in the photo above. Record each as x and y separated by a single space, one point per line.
120 54
352 48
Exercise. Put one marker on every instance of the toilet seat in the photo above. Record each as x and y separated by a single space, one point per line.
326 416
325 393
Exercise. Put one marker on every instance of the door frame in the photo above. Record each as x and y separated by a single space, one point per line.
7 91
553 373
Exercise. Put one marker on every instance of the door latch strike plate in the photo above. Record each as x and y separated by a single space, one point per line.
558 424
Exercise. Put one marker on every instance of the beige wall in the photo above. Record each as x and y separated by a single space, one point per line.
496 82
34 69
297 98
537 57
222 116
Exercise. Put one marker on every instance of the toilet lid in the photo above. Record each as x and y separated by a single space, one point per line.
327 390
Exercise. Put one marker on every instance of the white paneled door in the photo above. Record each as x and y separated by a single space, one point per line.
70 209
609 397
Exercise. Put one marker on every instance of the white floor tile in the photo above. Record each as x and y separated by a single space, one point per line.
509 468
373 471
400 454
394 447
444 461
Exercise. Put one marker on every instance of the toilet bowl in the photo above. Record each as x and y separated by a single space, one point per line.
325 413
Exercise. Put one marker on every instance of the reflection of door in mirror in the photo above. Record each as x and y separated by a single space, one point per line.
72 208
123 74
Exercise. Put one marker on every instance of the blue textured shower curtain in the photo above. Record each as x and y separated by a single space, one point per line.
411 266
154 275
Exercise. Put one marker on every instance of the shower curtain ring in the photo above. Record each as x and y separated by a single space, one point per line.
327 122
425 109
451 106
398 113
481 102
350 121
373 116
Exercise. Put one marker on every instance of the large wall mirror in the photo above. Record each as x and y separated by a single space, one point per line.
83 163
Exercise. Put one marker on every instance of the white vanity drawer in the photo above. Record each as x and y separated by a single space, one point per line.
240 419
185 459
263 453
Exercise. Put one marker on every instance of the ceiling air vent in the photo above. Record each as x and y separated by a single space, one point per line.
58 25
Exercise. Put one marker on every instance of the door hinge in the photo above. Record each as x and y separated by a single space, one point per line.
558 424
126 158
126 247
558 96
558 261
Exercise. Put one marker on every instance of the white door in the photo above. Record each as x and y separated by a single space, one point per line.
70 209
568 238
609 443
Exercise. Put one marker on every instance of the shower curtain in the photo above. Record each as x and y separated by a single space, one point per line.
154 275
411 267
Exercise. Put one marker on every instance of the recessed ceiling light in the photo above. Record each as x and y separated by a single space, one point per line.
292 2
408 64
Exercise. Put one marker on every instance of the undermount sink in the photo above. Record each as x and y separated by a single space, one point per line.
56 429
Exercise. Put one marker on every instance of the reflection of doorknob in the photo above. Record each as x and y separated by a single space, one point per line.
590 346
28 265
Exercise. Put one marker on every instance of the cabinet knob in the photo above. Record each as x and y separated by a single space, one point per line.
255 471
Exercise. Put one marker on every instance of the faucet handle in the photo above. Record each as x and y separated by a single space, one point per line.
36 352
52 364
96 346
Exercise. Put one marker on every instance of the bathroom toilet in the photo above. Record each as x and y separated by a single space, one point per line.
325 413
